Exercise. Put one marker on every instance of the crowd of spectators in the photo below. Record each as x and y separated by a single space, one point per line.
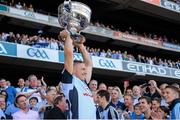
34 40
34 99
39 41
129 57
129 30
19 5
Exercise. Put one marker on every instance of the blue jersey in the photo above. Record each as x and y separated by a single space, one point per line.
175 113
79 96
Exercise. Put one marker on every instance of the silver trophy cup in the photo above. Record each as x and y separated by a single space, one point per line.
74 16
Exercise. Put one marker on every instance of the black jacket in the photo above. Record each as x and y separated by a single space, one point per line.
55 113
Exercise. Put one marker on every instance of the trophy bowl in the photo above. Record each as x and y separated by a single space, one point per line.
74 16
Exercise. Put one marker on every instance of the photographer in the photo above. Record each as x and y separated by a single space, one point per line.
153 90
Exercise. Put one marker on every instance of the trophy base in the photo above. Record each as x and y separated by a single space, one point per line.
76 37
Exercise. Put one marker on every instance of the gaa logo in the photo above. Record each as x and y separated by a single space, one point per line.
78 57
29 14
38 53
106 63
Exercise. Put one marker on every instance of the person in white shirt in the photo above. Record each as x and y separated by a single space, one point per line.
32 90
74 80
25 113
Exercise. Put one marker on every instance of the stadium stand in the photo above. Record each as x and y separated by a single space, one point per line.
51 43
137 66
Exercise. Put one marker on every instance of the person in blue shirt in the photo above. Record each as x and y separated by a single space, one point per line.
105 110
172 97
137 114
9 89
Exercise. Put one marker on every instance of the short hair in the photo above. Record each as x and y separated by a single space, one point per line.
2 79
148 99
49 90
17 97
137 105
175 85
175 89
129 96
157 99
104 93
78 61
93 80
33 98
165 109
58 99
29 77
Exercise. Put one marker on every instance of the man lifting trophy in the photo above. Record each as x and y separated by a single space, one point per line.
74 17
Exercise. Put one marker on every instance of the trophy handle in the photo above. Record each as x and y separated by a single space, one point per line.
67 6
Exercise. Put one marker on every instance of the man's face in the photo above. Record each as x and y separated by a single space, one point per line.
137 110
63 105
51 95
22 103
155 105
110 88
169 95
3 83
80 71
102 87
161 112
33 102
33 81
21 82
144 105
162 88
2 103
100 100
136 91
128 101
93 85
151 86
129 92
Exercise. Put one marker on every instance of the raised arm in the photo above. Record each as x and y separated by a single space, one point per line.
86 58
68 51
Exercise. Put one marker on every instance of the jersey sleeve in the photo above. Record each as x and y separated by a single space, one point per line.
66 77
